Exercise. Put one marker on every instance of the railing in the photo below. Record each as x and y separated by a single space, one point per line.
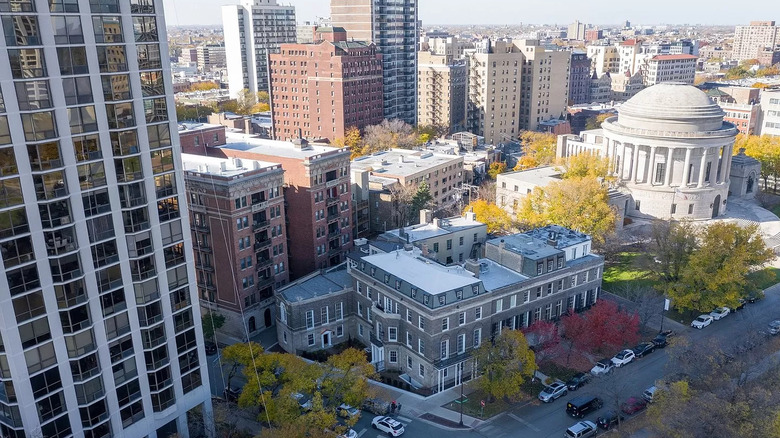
258 225
262 244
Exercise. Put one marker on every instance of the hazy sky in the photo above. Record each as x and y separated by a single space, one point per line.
184 12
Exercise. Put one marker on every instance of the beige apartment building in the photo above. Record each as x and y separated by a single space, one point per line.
670 68
442 81
752 39
545 84
604 59
494 92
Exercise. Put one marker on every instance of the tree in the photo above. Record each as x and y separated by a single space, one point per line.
505 363
586 165
717 271
496 169
496 218
766 150
247 103
212 321
401 197
539 149
422 199
581 204
346 377
192 112
544 339
204 86
607 328
594 122
426 133
388 135
353 140
672 243
648 302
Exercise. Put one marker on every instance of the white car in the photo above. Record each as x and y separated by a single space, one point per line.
346 410
774 327
350 433
604 366
701 321
719 313
622 358
387 425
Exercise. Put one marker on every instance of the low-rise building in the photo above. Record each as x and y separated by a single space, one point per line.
239 239
741 105
770 113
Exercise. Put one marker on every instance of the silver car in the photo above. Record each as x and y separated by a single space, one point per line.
553 391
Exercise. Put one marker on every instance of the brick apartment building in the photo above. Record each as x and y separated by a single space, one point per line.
317 194
320 90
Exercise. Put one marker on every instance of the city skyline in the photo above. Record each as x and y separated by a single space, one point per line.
447 12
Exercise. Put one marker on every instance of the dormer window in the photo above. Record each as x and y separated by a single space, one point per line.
459 294
442 300
414 292
475 290
539 268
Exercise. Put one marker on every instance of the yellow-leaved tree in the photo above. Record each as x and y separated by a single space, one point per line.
498 221
505 364
353 140
586 165
581 204
538 150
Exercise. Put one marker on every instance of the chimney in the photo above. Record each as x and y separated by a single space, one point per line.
247 126
401 159
426 216
501 249
472 266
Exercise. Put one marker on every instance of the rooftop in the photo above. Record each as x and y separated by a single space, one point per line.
494 276
674 57
283 149
323 283
539 175
439 227
185 127
225 167
426 275
402 162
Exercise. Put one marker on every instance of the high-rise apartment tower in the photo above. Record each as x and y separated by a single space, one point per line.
100 322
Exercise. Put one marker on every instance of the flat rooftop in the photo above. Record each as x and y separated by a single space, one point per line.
538 176
283 149
335 280
436 228
402 162
526 245
424 274
185 127
495 276
225 167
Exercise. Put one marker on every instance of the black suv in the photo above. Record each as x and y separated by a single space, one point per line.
577 381
660 341
644 349
609 419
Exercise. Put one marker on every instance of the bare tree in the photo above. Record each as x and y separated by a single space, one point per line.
401 196
648 303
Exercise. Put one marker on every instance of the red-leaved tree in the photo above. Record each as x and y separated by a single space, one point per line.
603 328
543 337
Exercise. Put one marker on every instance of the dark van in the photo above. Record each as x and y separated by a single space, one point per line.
580 406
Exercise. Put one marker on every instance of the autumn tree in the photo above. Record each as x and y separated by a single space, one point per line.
346 377
539 149
388 135
204 86
192 112
766 150
496 169
544 339
426 133
594 122
247 102
505 363
212 321
586 165
496 218
353 140
717 271
603 328
648 302
672 243
581 204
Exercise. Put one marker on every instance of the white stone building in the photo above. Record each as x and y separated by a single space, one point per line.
770 113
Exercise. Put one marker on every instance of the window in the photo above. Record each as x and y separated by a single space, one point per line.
421 346
310 320
393 356
460 241
445 348
461 343
340 330
360 330
690 208
28 63
478 313
637 205
33 95
449 243
462 318
499 305
324 315
421 322
339 311
409 361
445 324
310 338
422 370
408 315
392 334
477 337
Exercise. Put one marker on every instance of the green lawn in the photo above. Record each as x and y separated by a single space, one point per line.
766 277
625 271
473 407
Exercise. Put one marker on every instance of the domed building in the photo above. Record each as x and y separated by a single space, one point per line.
669 149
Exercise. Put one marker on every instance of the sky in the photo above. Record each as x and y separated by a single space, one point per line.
561 12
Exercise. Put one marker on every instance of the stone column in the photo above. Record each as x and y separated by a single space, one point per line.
687 168
702 167
635 167
728 163
650 176
668 176
721 165
622 161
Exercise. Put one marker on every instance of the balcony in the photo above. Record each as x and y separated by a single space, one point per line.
261 244
204 267
334 233
259 225
331 201
264 282
200 227
264 263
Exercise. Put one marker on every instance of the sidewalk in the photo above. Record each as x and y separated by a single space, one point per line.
414 405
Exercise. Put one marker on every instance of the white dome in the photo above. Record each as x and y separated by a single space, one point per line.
671 107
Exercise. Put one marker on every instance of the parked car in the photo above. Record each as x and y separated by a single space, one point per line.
346 410
211 348
719 313
644 349
774 327
623 358
553 391
649 393
633 405
752 297
577 381
741 304
583 429
667 333
701 321
387 425
604 366
660 341
580 406
611 418
350 433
